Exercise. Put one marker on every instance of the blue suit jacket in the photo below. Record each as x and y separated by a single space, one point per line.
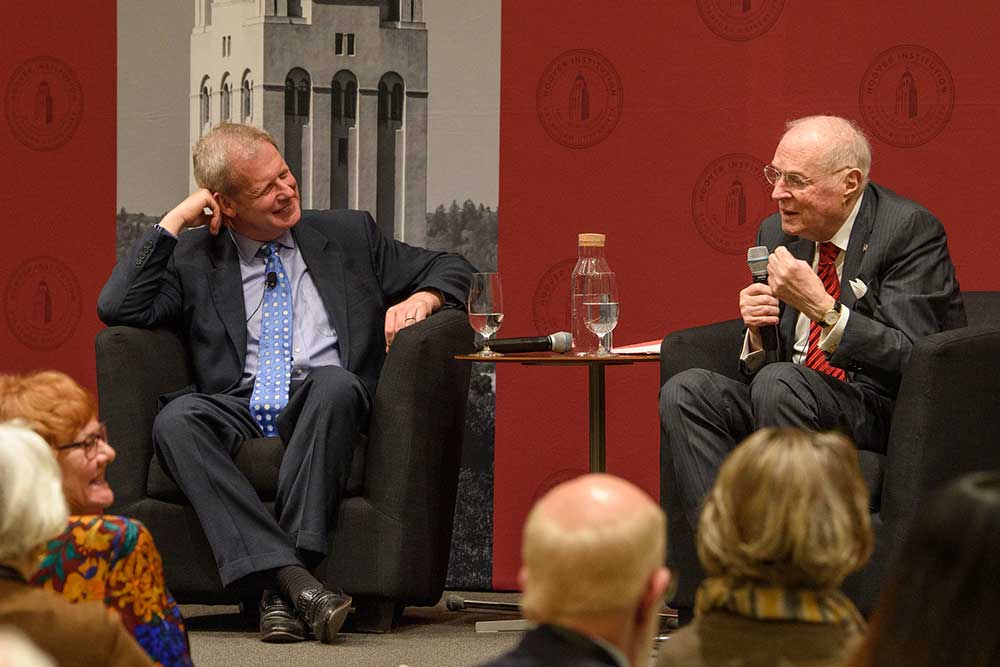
194 285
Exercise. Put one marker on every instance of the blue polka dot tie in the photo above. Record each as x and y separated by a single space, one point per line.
274 359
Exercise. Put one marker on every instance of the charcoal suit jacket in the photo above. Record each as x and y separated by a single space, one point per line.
899 250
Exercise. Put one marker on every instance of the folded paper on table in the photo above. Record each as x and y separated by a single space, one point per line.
649 347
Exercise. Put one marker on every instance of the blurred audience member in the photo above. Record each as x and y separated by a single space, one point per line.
95 557
785 522
592 576
33 511
941 603
16 650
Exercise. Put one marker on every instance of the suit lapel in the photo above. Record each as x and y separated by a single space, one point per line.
857 246
326 266
227 292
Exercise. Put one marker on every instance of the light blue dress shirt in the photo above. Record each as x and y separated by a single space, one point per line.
314 340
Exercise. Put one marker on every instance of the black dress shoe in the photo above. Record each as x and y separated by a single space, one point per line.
324 611
278 622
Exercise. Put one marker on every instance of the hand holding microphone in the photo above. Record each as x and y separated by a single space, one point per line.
759 307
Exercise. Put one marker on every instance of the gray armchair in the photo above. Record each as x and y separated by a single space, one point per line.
945 423
393 533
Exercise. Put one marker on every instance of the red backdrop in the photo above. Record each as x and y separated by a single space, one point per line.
685 103
57 147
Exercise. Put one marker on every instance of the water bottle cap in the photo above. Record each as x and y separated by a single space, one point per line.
592 240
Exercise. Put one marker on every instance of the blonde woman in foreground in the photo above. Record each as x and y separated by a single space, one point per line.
786 521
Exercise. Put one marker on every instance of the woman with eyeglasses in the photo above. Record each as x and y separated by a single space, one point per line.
98 556
32 510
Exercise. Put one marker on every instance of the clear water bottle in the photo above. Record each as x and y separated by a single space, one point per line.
590 259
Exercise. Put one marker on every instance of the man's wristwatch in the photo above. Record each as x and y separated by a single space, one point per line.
830 317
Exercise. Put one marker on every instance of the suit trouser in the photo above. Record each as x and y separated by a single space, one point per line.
197 437
704 415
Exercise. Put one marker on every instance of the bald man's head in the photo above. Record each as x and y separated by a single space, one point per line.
836 142
590 547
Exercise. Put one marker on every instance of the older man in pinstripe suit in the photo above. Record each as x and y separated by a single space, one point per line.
855 275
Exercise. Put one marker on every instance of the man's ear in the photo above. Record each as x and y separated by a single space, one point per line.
653 597
522 577
225 205
852 182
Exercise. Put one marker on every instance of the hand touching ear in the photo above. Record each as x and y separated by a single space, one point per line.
200 208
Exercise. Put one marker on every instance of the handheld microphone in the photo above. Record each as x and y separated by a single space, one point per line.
557 342
757 261
271 280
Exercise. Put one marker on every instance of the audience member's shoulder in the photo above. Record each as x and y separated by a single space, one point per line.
28 605
84 633
718 638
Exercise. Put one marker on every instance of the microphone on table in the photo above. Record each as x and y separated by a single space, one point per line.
557 342
271 280
757 261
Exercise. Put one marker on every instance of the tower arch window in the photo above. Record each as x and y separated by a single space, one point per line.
226 99
297 91
246 97
345 98
205 105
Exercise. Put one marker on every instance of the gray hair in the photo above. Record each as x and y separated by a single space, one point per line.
214 152
849 148
32 507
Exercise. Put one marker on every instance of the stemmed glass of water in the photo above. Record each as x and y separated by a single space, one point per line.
600 307
485 308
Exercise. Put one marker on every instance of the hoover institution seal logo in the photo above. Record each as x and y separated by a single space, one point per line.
42 303
729 199
907 96
550 306
43 103
579 98
740 20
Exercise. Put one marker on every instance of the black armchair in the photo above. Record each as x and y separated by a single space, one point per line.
393 533
945 423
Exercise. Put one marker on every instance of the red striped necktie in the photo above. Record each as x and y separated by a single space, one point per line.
827 271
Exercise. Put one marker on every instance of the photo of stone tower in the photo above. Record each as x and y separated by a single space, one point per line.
340 84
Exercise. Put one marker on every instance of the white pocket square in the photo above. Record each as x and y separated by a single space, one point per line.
858 287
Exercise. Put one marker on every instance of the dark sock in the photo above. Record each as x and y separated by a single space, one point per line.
292 580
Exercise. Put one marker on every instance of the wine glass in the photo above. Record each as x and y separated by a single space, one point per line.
600 307
485 308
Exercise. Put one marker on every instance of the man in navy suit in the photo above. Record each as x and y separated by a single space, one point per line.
592 576
856 274
287 315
